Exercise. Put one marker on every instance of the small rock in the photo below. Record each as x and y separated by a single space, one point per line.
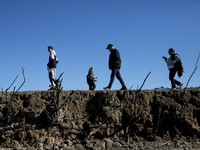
100 144
108 143
68 142
79 147
40 145
116 144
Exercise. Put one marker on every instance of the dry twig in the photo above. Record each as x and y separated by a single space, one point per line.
134 119
92 132
24 80
12 84
196 66
160 109
138 91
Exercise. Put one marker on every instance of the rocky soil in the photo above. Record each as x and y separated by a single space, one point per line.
95 120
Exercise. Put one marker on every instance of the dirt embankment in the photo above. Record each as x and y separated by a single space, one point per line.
130 116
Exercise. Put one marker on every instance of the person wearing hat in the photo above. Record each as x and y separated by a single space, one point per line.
51 66
114 64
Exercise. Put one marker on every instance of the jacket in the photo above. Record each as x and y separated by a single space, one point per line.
170 63
173 59
114 59
177 64
53 60
89 77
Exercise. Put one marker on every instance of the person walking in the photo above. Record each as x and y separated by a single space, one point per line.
51 66
174 64
114 64
91 79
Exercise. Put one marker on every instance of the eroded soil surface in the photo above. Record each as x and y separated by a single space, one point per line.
33 118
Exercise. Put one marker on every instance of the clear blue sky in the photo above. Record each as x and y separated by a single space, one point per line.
80 30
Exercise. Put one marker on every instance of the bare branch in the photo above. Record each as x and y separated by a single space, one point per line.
131 121
64 102
196 66
127 134
136 137
142 85
160 109
164 143
197 60
135 119
60 76
91 133
145 80
12 83
130 87
24 79
1 98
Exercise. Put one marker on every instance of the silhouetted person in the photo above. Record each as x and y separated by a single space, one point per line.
51 66
174 64
91 79
114 66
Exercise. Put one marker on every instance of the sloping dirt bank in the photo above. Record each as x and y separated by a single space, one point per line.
105 119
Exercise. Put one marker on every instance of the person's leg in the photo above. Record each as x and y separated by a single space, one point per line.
118 75
90 86
52 75
93 85
177 82
112 76
172 73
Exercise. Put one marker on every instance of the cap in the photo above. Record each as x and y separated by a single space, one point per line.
109 45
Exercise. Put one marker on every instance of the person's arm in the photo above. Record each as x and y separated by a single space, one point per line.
165 58
177 58
93 76
49 64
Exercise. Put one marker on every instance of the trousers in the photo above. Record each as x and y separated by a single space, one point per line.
52 76
115 72
92 85
174 82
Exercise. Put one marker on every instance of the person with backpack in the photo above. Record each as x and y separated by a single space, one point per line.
51 66
174 65
91 79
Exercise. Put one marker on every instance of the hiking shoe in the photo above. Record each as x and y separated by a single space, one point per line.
107 88
173 89
123 88
180 86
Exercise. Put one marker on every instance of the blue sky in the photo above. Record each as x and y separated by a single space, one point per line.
80 30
